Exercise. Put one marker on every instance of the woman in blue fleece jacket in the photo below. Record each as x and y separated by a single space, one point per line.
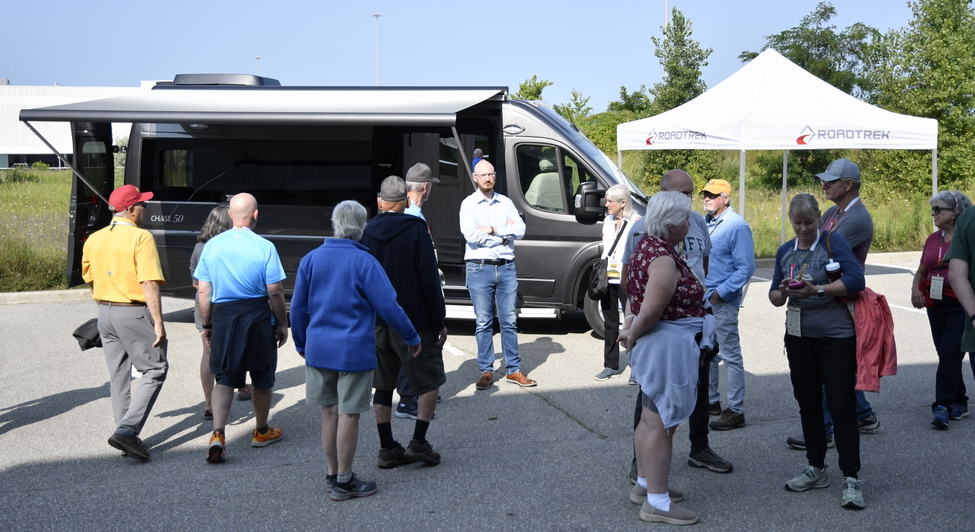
339 290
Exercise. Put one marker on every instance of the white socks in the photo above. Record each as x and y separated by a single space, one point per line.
660 501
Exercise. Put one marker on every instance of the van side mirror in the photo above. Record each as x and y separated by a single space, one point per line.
589 203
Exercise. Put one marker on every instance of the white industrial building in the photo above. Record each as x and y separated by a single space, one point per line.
19 145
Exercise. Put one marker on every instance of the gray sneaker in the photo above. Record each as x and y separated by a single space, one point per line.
709 459
810 478
352 489
675 516
638 495
608 373
852 496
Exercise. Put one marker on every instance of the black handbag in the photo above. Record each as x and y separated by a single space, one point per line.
599 275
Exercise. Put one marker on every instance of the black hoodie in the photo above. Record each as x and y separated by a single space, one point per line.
401 243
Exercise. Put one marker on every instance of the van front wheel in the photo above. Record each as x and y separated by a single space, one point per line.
594 316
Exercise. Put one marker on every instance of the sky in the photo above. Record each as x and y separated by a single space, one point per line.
593 47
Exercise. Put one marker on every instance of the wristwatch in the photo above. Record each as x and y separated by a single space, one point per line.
821 292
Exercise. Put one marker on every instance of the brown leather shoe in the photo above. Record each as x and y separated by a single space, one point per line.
485 381
520 379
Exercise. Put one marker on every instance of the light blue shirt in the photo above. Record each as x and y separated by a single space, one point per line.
239 264
732 260
476 210
413 210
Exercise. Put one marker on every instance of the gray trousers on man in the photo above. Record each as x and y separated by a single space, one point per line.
127 336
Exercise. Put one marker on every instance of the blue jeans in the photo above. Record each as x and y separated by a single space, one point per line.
490 285
729 351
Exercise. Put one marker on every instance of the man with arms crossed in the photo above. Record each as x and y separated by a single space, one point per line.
121 265
695 250
491 224
240 288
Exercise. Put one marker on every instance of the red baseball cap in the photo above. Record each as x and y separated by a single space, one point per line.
126 196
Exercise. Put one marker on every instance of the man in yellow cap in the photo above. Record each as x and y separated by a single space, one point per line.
731 265
121 265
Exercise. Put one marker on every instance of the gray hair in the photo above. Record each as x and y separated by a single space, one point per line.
415 186
954 200
803 208
621 194
665 209
348 220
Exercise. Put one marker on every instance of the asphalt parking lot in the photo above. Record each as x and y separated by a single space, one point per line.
550 458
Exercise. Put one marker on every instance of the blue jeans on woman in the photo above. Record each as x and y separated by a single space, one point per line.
489 286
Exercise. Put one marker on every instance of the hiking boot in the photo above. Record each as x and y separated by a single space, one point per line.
940 420
958 411
422 452
520 379
868 423
800 442
131 446
352 489
608 373
390 458
675 516
852 496
216 452
808 479
330 482
709 459
728 420
714 409
269 437
638 495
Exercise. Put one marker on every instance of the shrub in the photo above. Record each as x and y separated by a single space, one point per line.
38 165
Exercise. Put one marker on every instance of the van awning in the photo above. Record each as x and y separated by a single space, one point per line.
276 105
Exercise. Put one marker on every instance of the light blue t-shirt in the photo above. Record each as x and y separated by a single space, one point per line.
239 264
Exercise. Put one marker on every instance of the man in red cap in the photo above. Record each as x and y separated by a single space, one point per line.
121 265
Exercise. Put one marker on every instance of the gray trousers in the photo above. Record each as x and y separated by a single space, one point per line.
127 336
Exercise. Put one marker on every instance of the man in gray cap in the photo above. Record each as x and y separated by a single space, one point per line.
402 246
419 185
850 218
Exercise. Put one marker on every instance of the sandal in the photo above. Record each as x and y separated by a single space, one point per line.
207 413
244 394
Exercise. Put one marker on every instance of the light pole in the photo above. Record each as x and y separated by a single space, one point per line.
258 59
377 15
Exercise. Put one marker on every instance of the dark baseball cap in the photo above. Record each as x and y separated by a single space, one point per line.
421 173
840 169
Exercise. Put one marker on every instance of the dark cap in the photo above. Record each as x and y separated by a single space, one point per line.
421 173
126 196
393 189
840 169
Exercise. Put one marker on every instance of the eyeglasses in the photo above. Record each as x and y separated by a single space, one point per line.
710 196
490 174
827 184
938 210
140 204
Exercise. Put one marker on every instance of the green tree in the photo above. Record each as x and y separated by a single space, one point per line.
682 59
576 110
531 89
637 102
930 75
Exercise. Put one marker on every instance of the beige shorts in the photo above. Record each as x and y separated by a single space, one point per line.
351 390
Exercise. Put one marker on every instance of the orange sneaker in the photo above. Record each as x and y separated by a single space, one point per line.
263 440
216 454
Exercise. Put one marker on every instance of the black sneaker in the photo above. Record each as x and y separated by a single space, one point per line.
131 446
709 459
868 423
390 458
714 409
422 452
352 489
729 420
800 443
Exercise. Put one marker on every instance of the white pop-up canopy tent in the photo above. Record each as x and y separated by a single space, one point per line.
773 104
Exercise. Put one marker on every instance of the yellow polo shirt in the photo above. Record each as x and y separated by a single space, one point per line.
119 258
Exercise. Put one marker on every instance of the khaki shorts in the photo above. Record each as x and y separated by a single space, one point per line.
351 390
425 373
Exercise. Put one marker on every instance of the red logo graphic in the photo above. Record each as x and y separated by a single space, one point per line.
805 137
651 136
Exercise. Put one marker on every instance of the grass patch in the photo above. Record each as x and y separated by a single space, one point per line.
33 229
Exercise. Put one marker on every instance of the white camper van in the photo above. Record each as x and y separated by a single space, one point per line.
301 150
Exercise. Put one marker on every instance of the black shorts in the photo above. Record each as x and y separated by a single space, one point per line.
425 373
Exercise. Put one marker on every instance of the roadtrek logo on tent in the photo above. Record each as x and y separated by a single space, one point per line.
675 135
808 135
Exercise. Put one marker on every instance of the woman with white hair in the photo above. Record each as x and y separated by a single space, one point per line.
339 290
665 330
619 216
946 316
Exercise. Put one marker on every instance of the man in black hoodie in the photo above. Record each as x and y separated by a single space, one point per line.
401 243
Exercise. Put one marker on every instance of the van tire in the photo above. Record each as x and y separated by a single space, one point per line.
594 316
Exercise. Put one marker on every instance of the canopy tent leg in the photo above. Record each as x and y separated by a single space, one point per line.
741 184
785 183
934 172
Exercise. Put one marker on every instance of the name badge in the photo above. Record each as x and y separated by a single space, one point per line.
614 268
792 326
937 287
